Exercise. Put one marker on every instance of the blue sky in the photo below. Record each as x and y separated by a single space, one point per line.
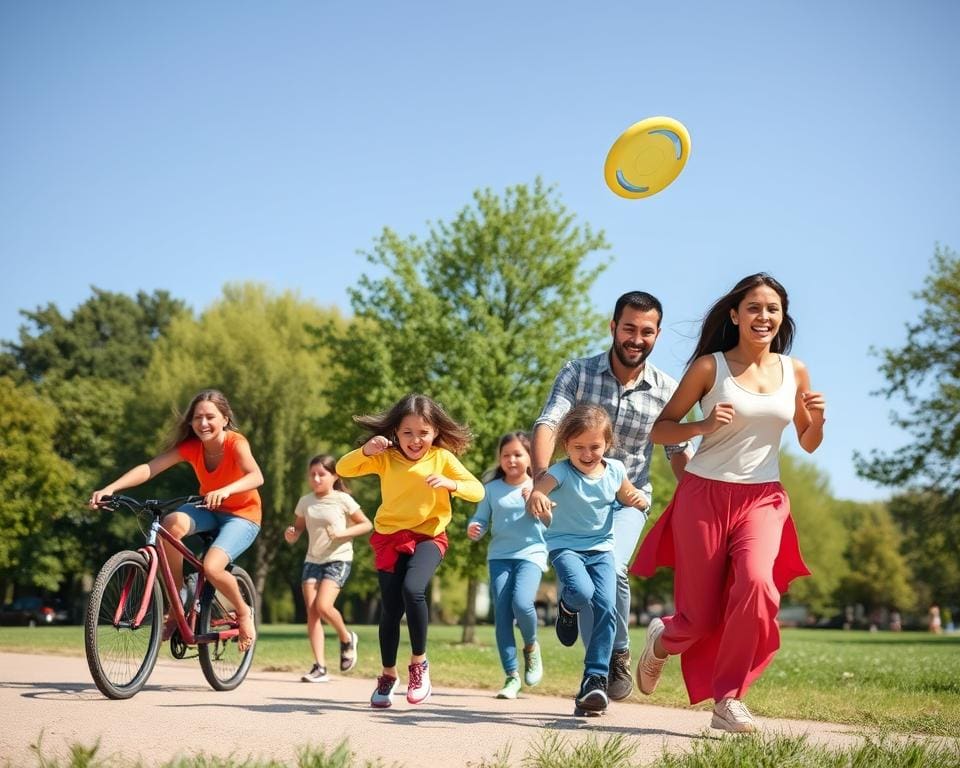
184 145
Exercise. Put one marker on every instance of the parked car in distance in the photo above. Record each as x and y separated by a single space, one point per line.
33 612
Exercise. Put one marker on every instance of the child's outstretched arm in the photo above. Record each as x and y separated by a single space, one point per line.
539 504
361 525
292 532
457 479
631 496
480 521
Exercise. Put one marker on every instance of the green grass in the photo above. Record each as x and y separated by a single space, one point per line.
907 682
555 751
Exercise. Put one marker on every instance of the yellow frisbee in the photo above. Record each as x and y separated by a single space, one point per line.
647 157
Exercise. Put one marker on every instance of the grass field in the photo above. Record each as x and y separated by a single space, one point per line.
905 682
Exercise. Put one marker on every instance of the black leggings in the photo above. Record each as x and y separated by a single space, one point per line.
404 591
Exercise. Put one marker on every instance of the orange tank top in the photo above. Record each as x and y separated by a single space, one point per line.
246 504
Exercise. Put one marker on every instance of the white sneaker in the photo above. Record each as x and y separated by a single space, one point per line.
418 682
732 715
383 695
511 687
317 674
650 666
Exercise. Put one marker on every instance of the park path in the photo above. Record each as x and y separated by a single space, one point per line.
273 714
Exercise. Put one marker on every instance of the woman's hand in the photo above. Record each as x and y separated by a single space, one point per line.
290 534
375 445
721 415
96 496
816 404
215 499
474 531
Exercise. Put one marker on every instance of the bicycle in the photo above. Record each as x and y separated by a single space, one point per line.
124 622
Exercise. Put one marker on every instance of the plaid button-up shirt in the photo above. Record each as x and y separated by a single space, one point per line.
632 411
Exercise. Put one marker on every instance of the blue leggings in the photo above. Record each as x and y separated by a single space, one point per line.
514 585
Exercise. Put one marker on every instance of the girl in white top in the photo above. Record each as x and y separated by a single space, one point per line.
332 520
728 531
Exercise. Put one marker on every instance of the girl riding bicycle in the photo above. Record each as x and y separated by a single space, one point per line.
207 437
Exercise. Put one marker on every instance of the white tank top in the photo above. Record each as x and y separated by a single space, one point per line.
747 450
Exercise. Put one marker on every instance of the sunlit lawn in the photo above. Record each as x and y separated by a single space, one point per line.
904 682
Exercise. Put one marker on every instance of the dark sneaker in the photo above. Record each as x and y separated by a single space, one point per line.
317 674
418 682
593 694
567 629
621 678
348 653
383 696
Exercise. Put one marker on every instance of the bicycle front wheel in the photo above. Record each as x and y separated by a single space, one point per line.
222 662
121 656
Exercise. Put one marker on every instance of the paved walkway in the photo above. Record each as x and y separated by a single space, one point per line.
272 714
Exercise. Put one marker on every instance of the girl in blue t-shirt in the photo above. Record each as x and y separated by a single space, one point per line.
517 558
575 499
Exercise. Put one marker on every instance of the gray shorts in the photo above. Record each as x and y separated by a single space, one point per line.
336 571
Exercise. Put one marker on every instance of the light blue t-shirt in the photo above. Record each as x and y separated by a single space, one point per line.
583 517
514 535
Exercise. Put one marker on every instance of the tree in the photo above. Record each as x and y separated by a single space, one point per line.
36 486
925 373
879 576
822 535
255 347
85 367
479 316
930 522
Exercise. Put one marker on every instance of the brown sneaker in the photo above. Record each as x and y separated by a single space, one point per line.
650 666
732 715
620 684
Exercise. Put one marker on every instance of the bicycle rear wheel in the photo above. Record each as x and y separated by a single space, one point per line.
222 663
119 655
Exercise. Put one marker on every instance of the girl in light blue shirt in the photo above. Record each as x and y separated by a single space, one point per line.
517 558
575 498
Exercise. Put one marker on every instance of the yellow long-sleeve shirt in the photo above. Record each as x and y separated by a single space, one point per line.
408 502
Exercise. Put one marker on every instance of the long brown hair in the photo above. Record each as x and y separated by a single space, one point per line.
183 429
329 463
453 436
719 334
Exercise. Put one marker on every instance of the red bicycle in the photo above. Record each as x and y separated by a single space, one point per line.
123 627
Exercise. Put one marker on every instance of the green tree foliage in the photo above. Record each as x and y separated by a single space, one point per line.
36 488
879 576
822 534
930 522
86 366
480 316
255 347
925 373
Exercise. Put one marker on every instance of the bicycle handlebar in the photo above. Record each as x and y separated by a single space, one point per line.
155 506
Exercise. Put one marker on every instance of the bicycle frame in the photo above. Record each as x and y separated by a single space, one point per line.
185 615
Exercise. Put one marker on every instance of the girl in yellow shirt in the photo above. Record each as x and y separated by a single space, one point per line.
413 449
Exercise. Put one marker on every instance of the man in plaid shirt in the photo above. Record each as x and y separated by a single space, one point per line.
633 392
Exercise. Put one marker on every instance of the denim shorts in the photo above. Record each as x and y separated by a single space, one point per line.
234 534
336 571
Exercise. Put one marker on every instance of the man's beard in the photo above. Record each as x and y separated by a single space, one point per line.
620 351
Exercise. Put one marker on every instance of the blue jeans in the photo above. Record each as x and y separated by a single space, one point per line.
627 526
590 579
514 586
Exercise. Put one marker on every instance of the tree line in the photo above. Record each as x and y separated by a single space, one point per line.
479 313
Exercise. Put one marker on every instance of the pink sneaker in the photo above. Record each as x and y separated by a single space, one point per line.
418 682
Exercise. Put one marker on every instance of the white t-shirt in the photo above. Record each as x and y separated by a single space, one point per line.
334 510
